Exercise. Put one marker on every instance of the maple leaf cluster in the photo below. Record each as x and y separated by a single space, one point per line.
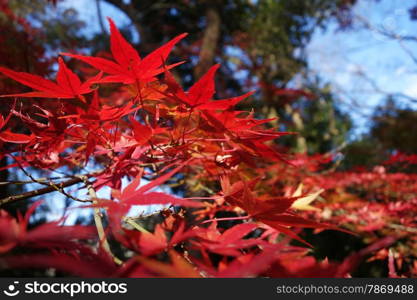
149 128
371 203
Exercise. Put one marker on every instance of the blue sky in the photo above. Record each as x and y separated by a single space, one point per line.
338 57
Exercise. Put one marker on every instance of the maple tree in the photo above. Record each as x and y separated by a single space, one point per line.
150 129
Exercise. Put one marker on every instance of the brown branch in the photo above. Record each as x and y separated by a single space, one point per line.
42 191
54 187
48 184
100 17
22 182
210 39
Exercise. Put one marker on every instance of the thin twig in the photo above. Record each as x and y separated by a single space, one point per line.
49 184
98 221
135 225
21 182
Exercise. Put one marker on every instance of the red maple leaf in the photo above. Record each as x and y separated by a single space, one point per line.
200 95
68 84
11 137
128 67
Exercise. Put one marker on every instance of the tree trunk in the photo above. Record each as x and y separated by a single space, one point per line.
301 143
210 40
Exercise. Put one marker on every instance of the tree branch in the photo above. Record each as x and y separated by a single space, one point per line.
41 191
210 40
100 17
53 187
